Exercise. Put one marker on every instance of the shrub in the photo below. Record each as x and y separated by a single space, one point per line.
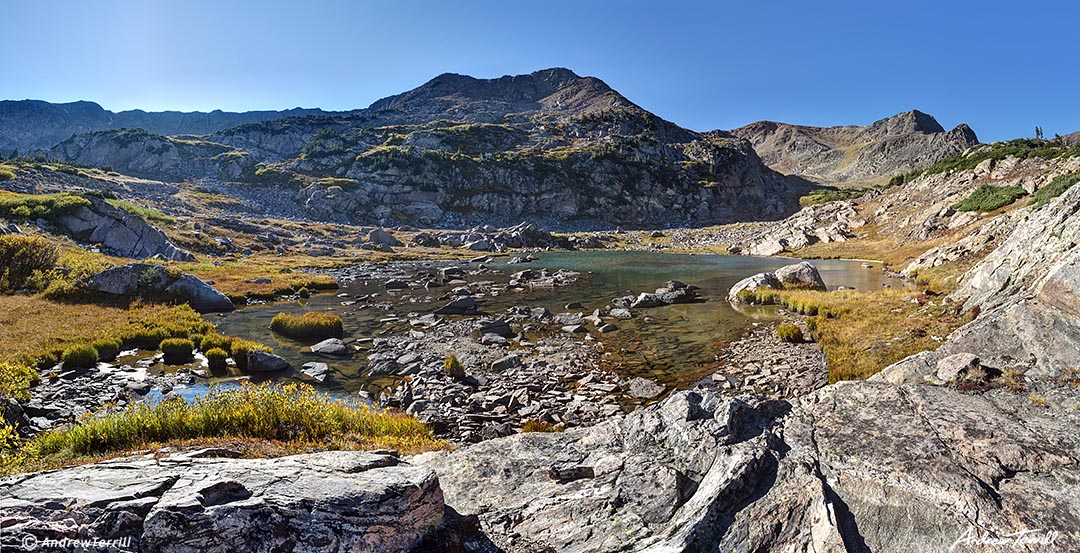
6 174
24 259
39 206
312 325
81 356
293 413
197 339
533 425
107 349
177 350
16 380
453 367
214 340
1055 188
215 358
990 198
240 348
791 333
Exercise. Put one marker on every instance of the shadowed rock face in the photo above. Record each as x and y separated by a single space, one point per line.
26 125
856 155
334 501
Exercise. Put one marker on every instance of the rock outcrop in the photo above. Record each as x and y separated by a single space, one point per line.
119 232
858 466
1026 294
856 155
333 501
147 280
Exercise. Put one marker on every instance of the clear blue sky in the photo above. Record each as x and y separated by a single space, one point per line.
1000 67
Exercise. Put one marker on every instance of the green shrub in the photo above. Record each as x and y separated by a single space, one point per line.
453 367
16 380
312 325
39 206
107 349
214 340
216 359
240 348
24 259
1055 188
177 350
81 356
788 332
990 198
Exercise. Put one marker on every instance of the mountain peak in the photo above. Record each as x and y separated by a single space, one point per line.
909 121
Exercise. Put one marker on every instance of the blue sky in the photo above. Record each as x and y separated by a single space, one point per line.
1000 67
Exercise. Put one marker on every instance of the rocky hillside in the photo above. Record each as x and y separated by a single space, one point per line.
549 146
28 125
853 155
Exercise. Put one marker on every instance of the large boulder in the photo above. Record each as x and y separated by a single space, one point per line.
799 276
148 280
119 232
332 501
265 362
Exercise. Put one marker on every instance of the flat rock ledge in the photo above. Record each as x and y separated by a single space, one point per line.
331 501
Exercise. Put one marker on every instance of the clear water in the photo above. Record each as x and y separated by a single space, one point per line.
675 344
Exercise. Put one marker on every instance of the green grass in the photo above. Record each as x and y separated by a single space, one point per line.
312 325
148 213
216 358
39 206
831 194
1055 188
788 332
107 348
990 198
80 356
177 350
293 413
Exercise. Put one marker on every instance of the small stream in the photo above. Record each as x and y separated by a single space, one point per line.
675 344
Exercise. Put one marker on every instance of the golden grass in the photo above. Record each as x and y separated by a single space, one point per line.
313 325
291 414
864 332
236 278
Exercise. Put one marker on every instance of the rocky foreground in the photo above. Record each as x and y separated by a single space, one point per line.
861 466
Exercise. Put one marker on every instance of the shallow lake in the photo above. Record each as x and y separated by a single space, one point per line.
675 344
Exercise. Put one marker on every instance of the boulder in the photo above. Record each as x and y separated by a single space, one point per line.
465 305
956 365
147 280
751 284
643 388
380 237
803 276
262 361
332 347
332 501
646 300
316 371
509 362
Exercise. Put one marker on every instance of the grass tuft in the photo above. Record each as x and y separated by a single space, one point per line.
81 356
216 359
177 350
312 325
791 333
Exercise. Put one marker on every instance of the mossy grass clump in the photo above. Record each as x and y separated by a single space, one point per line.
107 348
990 198
303 293
82 356
213 340
240 349
216 359
453 368
293 413
312 325
790 333
178 350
